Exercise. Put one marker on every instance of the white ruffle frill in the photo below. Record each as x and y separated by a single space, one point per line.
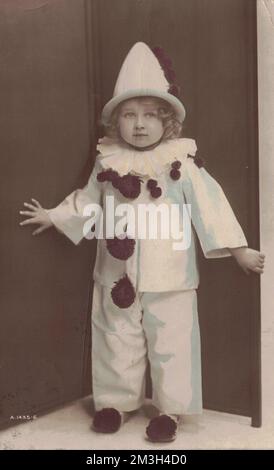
124 159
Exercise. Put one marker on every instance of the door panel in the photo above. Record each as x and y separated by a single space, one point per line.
45 143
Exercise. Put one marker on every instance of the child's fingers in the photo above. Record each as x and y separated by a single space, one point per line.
28 221
258 270
39 230
30 206
262 255
31 214
36 202
259 260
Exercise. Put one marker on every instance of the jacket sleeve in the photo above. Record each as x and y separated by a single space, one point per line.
212 216
68 216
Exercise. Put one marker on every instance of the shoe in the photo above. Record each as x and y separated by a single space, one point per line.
163 428
107 420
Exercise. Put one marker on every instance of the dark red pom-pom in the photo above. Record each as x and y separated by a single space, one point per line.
151 183
101 177
121 248
199 162
175 174
156 192
159 52
107 420
176 165
123 293
113 175
174 90
170 75
166 62
130 186
107 175
161 428
116 182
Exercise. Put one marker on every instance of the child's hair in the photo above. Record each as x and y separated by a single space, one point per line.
172 127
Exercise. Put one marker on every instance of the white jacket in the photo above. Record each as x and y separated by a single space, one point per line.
155 266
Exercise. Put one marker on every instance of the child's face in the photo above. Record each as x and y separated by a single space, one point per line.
139 123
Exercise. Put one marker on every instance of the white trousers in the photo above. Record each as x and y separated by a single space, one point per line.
161 327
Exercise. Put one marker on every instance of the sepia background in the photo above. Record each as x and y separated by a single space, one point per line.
69 427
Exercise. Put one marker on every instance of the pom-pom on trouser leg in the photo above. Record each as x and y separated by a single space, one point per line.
119 355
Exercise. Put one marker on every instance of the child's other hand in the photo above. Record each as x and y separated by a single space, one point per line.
37 215
249 259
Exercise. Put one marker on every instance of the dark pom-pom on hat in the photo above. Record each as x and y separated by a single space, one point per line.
166 61
123 293
166 65
174 90
160 54
170 75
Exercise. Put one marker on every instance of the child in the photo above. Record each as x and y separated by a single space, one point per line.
144 298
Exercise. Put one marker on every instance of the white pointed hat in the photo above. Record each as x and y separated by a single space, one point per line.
142 75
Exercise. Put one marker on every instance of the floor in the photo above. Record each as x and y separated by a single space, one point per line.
70 428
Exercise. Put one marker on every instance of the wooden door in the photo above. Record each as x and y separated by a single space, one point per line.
46 117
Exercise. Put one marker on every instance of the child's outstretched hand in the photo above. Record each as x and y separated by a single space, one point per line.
249 259
37 215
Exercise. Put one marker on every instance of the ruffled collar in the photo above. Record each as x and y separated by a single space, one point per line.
124 159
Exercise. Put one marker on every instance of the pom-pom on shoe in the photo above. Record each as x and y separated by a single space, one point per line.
163 428
107 420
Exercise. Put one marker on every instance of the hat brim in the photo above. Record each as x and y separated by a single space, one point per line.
171 99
